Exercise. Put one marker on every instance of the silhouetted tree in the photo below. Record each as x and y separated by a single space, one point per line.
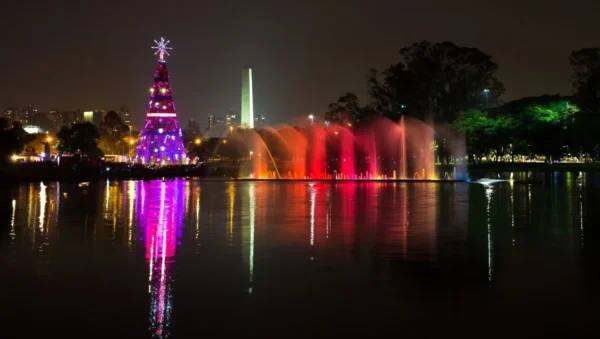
113 134
435 81
586 86
12 139
79 138
346 110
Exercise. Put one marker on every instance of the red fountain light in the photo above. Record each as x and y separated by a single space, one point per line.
377 149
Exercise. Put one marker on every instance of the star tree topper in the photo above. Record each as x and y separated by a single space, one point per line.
161 48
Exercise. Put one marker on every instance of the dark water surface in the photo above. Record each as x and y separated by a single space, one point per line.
186 259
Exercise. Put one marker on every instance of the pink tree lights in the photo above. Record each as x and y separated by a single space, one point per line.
161 140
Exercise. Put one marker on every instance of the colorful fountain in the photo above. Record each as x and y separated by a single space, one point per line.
379 149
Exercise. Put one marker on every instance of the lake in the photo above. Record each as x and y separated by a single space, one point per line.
187 258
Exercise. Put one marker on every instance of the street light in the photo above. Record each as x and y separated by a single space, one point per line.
131 142
311 118
197 141
486 91
49 139
230 130
251 152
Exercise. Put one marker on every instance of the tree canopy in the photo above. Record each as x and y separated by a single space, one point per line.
79 138
431 81
543 127
346 110
586 87
12 139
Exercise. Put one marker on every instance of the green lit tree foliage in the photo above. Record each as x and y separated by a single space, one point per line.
548 128
479 130
531 126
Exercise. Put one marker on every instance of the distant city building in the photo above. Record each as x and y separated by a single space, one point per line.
94 117
43 120
56 119
219 120
25 114
231 118
259 121
124 114
50 121
211 121
192 130
21 115
70 117
11 114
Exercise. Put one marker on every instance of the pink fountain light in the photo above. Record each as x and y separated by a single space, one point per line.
377 149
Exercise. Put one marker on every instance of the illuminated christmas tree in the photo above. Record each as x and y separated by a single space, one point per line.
161 139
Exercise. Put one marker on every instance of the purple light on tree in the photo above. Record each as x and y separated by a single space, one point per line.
161 140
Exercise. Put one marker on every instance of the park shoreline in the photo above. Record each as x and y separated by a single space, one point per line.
31 172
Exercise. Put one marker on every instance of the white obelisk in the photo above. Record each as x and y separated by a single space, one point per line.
247 114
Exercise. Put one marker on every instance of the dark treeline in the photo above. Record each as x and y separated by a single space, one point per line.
446 84
12 139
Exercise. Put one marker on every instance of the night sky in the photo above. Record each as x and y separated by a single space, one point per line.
304 54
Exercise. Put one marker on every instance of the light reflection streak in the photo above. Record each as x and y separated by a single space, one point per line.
231 194
581 179
328 215
57 201
115 209
151 264
512 207
188 192
488 194
143 204
162 228
30 213
131 195
107 194
529 197
12 219
42 205
252 207
313 198
404 216
198 214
